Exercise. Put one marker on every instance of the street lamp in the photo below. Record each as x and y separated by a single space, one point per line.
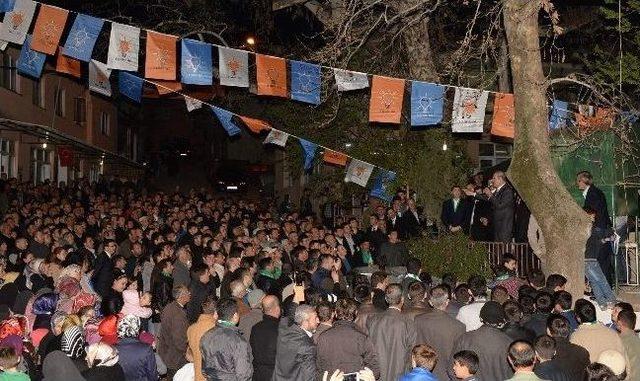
444 146
251 41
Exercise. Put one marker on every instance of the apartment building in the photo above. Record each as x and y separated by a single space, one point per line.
55 129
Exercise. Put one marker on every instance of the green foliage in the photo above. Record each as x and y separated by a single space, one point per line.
450 254
601 54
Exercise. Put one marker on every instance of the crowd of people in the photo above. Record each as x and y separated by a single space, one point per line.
106 281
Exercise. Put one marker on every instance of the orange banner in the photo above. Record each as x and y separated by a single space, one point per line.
255 125
334 157
386 99
503 116
67 65
271 75
160 62
48 29
167 87
601 121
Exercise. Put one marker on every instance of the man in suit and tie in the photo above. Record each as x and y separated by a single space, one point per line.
502 205
410 220
595 204
454 212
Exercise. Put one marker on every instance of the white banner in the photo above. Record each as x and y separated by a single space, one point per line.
124 45
350 80
468 110
99 75
192 103
277 137
358 172
16 23
234 67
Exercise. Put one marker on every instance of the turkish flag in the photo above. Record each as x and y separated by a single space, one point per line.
66 156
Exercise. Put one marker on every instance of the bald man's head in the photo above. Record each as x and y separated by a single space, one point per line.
271 306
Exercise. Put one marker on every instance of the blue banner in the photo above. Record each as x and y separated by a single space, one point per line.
7 5
381 183
305 82
427 103
82 37
130 86
30 62
226 119
309 150
559 115
196 66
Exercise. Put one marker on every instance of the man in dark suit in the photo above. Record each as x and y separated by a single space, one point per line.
595 204
102 277
479 216
455 212
502 205
439 329
410 220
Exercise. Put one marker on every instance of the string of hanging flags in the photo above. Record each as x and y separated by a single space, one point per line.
170 65
275 76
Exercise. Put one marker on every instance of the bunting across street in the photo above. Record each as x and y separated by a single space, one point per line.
48 29
99 75
30 62
124 46
160 57
234 67
468 110
170 68
15 26
82 37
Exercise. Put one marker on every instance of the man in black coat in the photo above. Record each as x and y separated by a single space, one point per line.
502 205
479 215
595 204
296 352
264 339
572 358
102 278
410 220
454 215
439 329
547 367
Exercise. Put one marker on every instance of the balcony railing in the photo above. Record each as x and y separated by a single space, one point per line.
527 260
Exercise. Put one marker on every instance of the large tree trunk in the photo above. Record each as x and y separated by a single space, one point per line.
565 226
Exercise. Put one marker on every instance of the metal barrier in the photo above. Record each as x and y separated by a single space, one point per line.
521 251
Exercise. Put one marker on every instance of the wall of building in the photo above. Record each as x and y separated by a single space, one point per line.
33 101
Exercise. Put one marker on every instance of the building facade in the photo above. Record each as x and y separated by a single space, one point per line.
42 119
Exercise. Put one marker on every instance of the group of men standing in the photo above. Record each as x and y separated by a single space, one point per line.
484 213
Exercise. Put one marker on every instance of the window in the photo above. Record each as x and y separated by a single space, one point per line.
491 154
60 102
37 94
105 124
7 158
79 110
9 78
40 165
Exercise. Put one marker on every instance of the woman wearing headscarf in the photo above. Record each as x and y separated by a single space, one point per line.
137 359
52 340
102 360
42 309
58 367
72 344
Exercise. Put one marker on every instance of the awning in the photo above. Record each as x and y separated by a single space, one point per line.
55 137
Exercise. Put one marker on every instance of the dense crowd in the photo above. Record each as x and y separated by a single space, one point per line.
107 281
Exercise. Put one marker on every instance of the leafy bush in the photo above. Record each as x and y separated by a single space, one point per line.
452 253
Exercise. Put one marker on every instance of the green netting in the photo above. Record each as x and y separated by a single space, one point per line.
596 155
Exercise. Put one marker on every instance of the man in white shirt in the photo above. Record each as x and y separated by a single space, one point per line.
469 315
